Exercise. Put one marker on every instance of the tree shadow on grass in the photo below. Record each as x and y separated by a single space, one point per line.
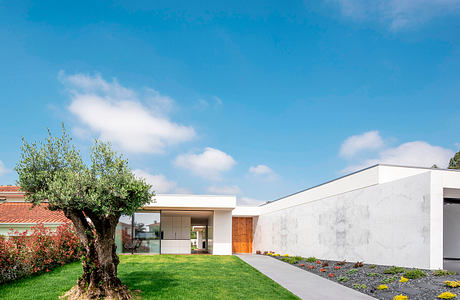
151 283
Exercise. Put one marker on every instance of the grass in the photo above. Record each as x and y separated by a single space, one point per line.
162 277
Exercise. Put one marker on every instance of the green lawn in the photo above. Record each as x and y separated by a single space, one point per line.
163 277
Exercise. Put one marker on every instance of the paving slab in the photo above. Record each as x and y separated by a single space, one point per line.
299 282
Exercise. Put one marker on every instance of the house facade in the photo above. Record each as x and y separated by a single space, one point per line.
391 215
20 216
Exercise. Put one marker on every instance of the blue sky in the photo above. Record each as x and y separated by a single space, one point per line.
256 99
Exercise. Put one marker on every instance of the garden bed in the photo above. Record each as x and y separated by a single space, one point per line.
381 282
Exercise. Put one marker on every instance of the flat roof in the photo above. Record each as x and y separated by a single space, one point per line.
189 201
356 172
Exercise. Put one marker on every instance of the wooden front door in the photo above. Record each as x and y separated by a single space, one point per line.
241 235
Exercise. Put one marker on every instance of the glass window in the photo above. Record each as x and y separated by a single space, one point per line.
123 235
147 232
139 233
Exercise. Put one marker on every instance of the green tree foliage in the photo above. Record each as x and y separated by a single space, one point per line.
454 162
92 195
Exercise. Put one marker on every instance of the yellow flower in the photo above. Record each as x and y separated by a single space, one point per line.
403 279
382 287
447 295
286 255
400 297
452 284
277 254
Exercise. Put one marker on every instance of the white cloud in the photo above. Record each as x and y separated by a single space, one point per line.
370 140
417 154
224 190
95 85
246 201
209 164
117 114
263 172
203 104
218 100
397 14
3 169
160 184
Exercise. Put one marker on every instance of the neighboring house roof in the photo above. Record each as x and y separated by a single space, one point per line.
11 192
9 188
22 212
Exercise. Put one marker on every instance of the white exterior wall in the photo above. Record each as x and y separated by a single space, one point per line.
389 173
175 247
222 232
389 223
176 235
344 184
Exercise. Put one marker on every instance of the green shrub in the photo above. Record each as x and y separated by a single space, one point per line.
389 279
352 271
443 273
311 259
290 260
298 258
343 278
360 286
372 266
394 270
414 274
372 274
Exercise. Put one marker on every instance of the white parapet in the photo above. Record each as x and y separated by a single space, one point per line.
192 202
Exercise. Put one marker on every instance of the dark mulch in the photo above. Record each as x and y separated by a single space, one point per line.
367 278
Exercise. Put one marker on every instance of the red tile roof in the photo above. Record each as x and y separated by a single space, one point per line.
9 188
22 212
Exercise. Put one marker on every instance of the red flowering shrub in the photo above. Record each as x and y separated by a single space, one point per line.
331 275
23 254
302 265
311 267
337 267
318 262
322 270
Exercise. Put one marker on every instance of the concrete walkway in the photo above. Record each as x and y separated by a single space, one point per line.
301 283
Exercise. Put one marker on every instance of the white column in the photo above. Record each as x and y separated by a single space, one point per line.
199 239
222 232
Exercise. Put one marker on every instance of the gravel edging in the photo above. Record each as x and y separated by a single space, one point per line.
371 276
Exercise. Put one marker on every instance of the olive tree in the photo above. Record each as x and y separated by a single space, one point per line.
93 195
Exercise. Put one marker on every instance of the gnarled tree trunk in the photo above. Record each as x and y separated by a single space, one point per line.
108 258
100 262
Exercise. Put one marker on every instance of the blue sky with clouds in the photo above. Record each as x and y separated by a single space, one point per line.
256 99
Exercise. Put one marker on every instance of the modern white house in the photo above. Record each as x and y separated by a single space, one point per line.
384 214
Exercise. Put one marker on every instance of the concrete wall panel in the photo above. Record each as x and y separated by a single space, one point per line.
383 224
